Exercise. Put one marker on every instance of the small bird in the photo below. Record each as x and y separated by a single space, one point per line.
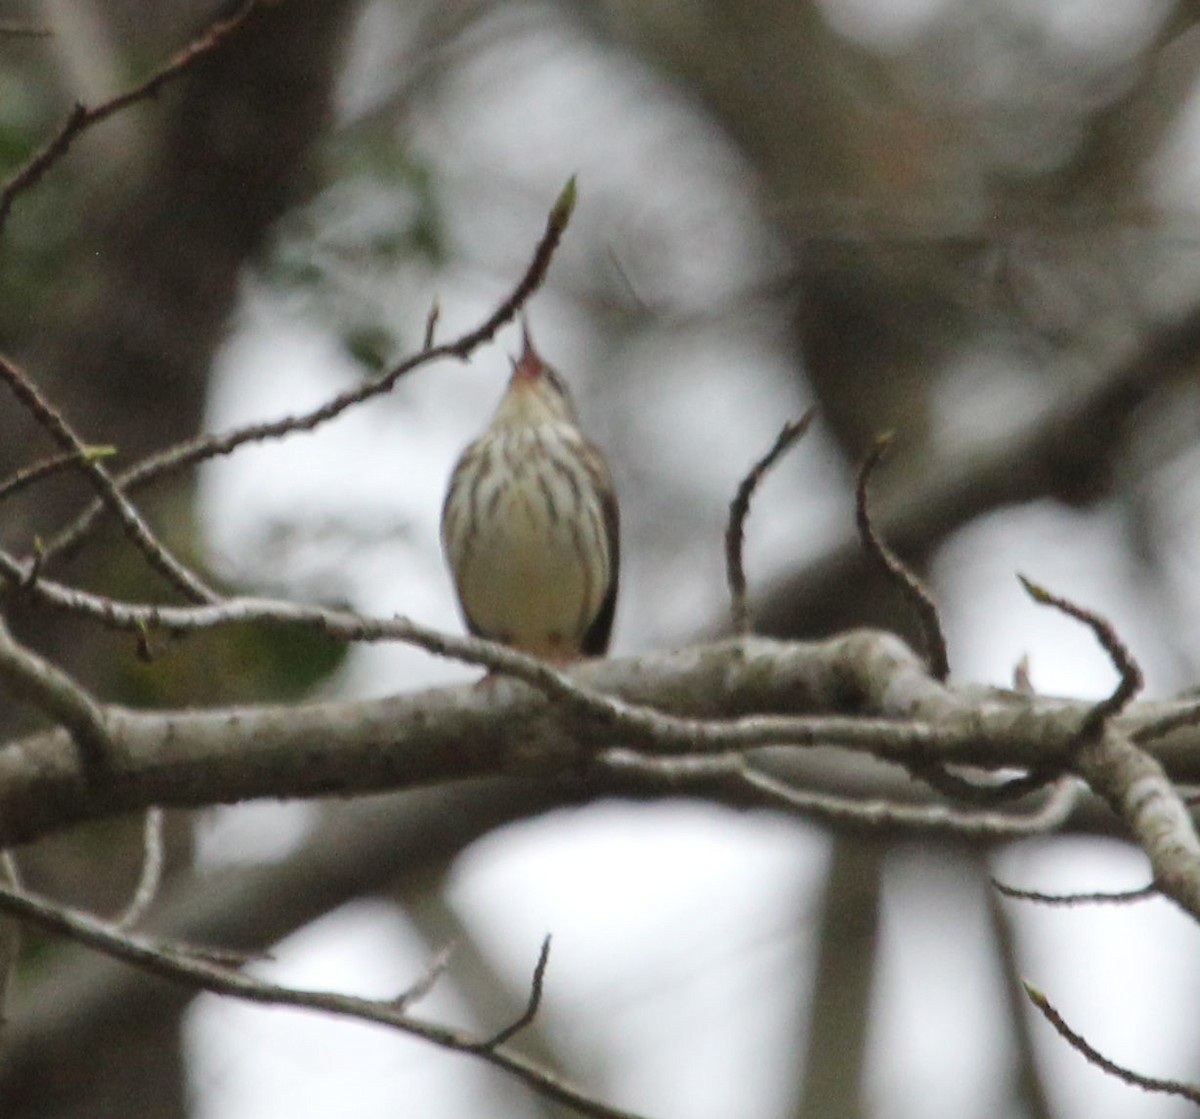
530 524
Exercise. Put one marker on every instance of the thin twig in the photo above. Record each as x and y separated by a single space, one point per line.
431 321
27 476
914 591
739 509
1131 780
1077 1042
950 784
556 225
918 596
842 811
193 451
136 529
81 118
48 688
153 851
1113 897
531 1006
1130 672
635 297
425 982
195 971
1022 677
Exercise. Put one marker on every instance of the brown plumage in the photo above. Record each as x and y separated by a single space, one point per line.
530 524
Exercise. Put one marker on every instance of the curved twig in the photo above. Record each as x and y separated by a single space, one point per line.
1099 897
532 1006
1095 1057
1130 672
48 688
739 509
915 593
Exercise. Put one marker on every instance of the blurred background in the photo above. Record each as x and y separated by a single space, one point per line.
970 224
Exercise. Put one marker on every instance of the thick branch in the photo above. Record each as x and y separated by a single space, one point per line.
864 690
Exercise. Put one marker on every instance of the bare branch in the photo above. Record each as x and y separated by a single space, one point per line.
82 118
556 226
46 686
531 1007
914 591
934 639
1135 785
425 983
1077 1042
140 533
450 734
739 509
1131 674
29 475
1138 789
204 447
152 868
736 771
1188 716
1116 897
950 784
183 967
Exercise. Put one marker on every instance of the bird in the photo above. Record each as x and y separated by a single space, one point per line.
530 524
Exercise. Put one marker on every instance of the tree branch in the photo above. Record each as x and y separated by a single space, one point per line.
81 118
34 679
190 452
864 691
138 531
1095 1057
739 510
195 970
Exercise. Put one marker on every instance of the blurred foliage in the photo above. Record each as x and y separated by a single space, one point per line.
240 664
371 345
341 253
43 225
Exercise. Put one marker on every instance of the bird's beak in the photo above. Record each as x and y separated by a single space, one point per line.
528 366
